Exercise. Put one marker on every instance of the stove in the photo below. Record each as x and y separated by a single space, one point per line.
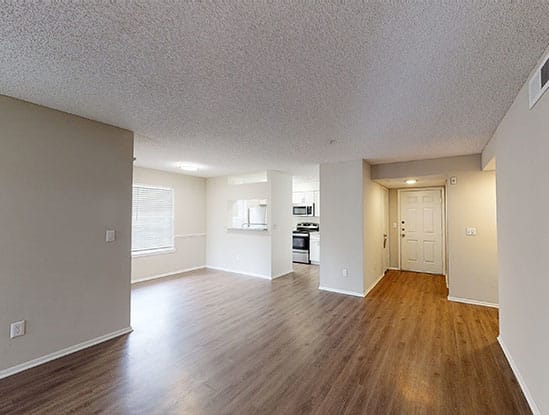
301 241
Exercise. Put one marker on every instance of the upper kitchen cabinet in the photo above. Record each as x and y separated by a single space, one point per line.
306 189
303 198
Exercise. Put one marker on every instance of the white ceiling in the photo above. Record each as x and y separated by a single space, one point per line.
242 86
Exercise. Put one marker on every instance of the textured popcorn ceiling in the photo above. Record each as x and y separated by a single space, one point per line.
239 86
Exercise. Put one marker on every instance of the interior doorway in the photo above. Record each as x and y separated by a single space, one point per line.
421 230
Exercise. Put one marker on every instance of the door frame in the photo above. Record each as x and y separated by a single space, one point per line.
386 229
442 215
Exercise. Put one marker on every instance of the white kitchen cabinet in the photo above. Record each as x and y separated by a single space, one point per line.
303 198
298 198
314 247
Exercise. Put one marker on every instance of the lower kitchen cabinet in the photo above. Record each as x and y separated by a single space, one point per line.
314 253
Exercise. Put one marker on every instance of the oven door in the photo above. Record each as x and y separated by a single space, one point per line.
300 241
300 252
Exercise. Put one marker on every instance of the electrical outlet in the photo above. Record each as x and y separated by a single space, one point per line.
344 272
17 329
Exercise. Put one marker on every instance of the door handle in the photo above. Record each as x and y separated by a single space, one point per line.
384 240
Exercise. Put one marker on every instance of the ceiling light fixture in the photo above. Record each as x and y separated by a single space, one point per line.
411 181
187 167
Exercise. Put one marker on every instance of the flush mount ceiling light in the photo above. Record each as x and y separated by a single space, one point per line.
187 167
411 181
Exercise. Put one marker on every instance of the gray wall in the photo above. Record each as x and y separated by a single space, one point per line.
352 227
341 198
64 181
521 149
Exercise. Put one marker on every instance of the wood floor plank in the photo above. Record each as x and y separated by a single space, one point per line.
211 342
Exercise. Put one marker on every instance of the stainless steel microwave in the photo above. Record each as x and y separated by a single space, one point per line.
304 210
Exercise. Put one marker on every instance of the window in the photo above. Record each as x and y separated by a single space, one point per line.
152 219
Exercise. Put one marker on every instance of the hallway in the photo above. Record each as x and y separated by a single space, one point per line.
217 343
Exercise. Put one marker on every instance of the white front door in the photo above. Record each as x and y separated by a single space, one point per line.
421 230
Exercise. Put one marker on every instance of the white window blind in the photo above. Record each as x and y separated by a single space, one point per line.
152 219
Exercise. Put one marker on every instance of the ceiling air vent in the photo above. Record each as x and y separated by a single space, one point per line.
539 82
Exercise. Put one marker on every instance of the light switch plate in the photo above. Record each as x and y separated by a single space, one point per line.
345 272
110 235
453 180
469 231
17 329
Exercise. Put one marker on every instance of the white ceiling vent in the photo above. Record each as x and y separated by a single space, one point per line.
539 83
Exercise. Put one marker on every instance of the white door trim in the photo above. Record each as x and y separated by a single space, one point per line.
442 215
386 229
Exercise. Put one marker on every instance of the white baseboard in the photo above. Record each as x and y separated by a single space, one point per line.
63 352
394 268
338 291
167 274
235 271
473 302
520 379
354 293
373 285
282 274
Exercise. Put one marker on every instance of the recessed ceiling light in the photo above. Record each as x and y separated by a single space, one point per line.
411 181
187 167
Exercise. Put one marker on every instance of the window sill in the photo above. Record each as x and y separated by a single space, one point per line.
153 252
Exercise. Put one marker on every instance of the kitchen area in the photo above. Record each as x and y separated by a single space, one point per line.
306 217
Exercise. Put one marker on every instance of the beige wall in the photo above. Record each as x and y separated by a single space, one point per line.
422 168
189 226
471 261
64 181
472 266
373 229
521 148
488 158
393 232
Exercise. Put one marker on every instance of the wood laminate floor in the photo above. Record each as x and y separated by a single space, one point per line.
218 343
